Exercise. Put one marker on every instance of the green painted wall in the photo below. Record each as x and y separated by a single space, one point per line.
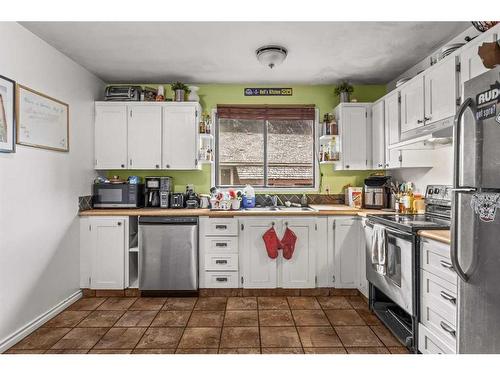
320 95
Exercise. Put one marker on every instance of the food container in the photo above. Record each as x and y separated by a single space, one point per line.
354 196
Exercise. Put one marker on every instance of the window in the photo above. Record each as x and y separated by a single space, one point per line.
265 146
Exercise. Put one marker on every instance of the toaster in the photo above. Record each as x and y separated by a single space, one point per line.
177 200
123 93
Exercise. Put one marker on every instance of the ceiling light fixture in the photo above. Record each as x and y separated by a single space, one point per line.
271 55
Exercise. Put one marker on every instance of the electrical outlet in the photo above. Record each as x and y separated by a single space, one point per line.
327 189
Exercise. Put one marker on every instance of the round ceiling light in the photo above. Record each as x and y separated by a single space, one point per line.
271 55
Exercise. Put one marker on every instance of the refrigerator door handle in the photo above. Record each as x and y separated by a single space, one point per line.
468 103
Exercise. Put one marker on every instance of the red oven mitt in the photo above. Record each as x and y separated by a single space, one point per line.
288 243
272 243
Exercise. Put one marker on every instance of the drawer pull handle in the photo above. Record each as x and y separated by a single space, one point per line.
221 261
221 227
447 265
221 244
221 279
447 328
448 297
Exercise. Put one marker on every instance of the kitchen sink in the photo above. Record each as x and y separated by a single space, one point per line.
281 208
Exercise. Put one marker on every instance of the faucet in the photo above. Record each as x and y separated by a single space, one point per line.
274 200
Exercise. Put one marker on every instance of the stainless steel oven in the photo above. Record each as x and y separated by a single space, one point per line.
397 283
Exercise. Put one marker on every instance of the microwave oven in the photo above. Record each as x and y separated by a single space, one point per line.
109 195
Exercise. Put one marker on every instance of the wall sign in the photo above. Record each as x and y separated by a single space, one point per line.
487 102
485 205
268 91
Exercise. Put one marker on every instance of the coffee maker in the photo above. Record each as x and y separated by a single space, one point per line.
377 193
157 191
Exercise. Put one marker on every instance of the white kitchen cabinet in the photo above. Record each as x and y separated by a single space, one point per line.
366 242
441 91
110 136
392 120
180 133
257 269
300 270
354 130
260 271
378 135
346 242
471 64
144 137
103 252
412 104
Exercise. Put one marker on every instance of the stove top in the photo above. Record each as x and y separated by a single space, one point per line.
411 223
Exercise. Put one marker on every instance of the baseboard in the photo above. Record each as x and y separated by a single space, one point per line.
38 322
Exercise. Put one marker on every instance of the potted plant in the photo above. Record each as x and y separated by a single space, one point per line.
180 90
343 91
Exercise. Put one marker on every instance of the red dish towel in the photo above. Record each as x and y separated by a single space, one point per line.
288 243
272 243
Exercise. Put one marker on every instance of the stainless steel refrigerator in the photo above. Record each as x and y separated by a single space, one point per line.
475 248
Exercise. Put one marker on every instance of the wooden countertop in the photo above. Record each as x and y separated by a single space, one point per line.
438 235
321 210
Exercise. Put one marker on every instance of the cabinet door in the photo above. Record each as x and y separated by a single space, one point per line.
258 270
107 253
412 104
110 137
366 241
300 270
144 137
441 91
392 118
347 241
378 136
354 137
471 64
179 137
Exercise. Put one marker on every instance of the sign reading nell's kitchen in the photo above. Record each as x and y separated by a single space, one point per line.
265 91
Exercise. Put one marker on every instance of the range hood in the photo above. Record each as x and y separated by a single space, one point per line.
440 132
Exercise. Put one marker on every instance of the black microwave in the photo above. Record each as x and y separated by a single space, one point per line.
109 195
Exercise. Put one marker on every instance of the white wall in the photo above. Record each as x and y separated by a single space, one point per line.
440 174
39 189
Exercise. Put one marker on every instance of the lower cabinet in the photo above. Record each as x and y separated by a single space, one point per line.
260 271
103 252
364 249
346 242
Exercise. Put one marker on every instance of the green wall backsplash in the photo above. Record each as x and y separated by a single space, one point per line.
320 95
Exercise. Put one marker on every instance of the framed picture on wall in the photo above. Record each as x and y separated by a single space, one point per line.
42 121
7 115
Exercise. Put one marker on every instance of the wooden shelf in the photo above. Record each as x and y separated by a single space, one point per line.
330 162
206 136
328 137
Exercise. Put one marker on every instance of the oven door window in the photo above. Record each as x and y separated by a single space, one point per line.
393 272
110 195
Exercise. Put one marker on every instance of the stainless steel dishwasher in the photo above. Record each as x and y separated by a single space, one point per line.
168 254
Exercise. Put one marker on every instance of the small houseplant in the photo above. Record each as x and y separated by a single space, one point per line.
343 91
180 90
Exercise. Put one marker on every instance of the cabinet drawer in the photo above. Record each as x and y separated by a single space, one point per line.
435 258
440 295
222 227
221 244
221 279
218 262
438 325
428 343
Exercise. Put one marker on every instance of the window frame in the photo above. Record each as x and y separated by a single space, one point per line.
316 168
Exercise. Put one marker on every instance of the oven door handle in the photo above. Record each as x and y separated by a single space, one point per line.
392 231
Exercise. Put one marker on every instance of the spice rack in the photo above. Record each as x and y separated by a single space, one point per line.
329 141
205 141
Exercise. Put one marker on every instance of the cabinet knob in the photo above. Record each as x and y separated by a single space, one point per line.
123 165
420 121
157 166
428 118
119 223
168 166
347 166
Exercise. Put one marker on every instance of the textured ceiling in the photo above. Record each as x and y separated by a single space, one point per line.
224 52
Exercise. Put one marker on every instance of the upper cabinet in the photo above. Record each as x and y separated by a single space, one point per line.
441 91
470 63
180 129
110 136
378 136
354 130
412 105
392 120
146 135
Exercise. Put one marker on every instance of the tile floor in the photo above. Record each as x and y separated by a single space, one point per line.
238 325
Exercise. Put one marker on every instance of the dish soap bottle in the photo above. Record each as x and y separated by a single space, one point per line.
303 200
